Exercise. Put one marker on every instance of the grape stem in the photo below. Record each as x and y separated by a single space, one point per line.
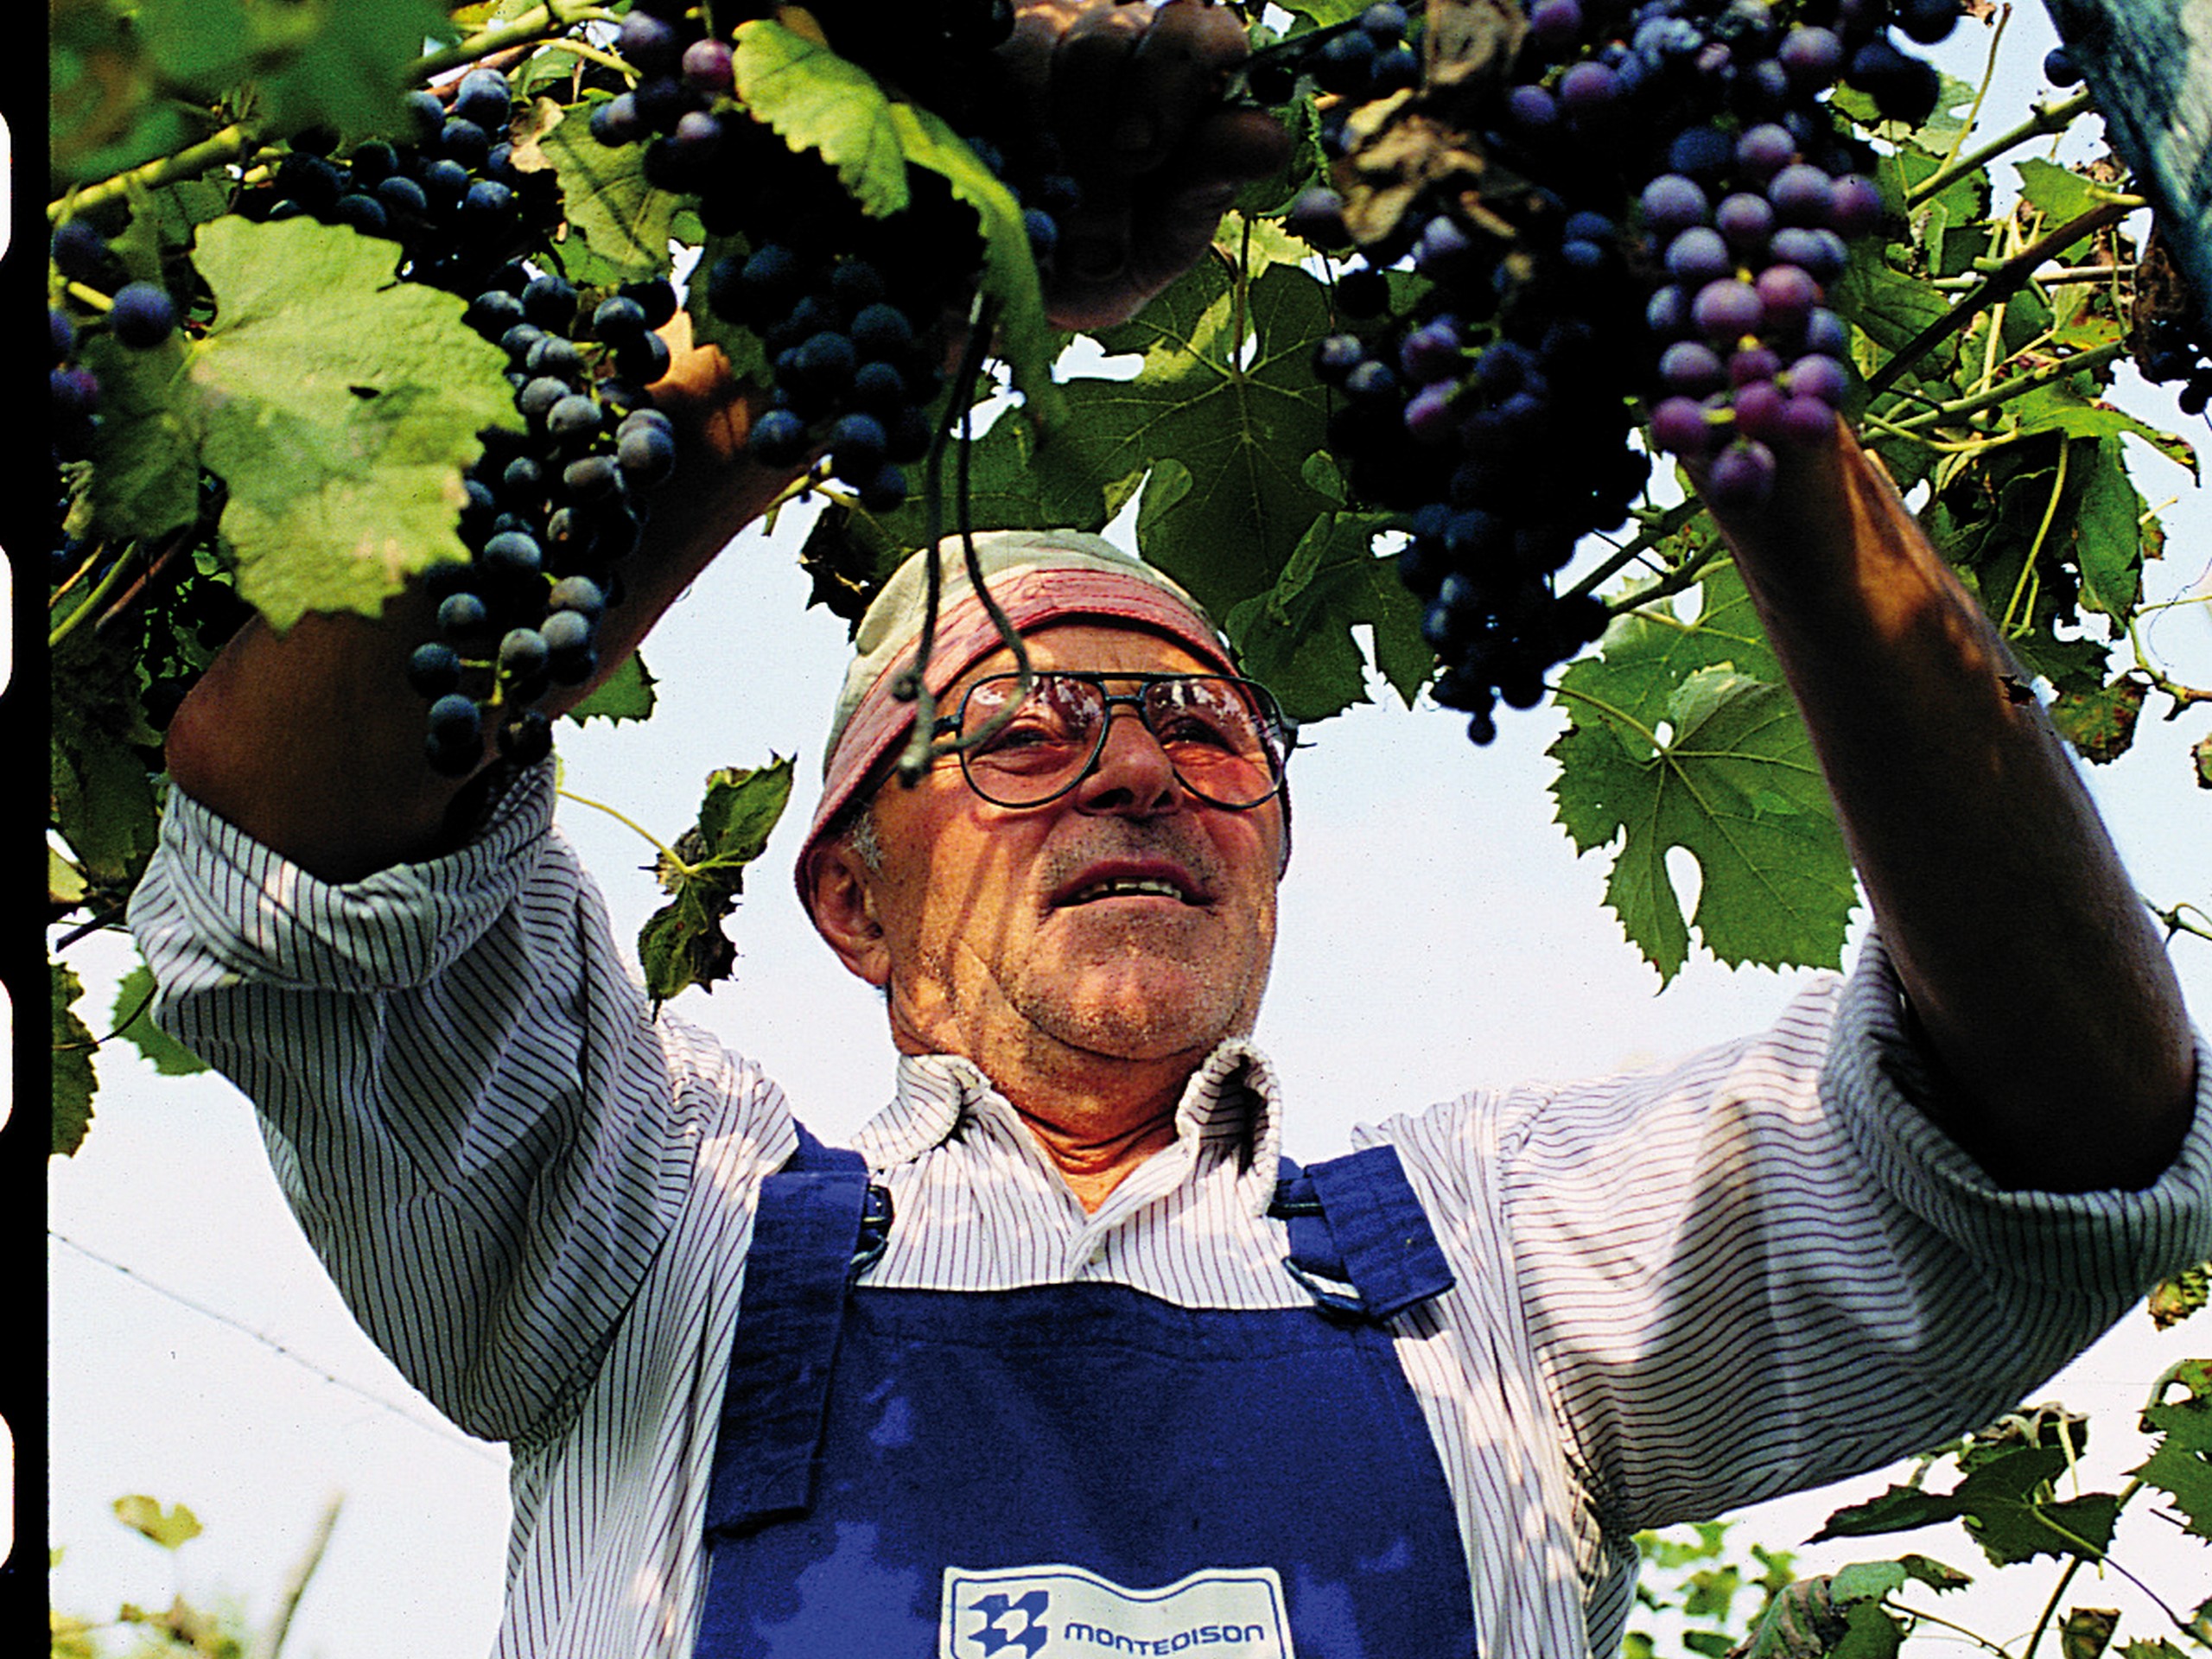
2178 923
240 137
1652 534
2051 1606
2053 115
2050 279
2030 581
546 20
620 817
2006 279
214 150
1980 93
94 600
922 748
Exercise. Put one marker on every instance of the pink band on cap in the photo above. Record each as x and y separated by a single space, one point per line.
1031 597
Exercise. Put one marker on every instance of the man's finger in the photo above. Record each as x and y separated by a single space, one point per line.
1090 104
1174 78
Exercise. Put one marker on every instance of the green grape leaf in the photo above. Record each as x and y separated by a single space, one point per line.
2182 1465
167 1528
2181 1296
626 694
2055 408
208 46
683 942
2200 754
1238 408
133 1020
74 1082
1296 639
340 427
344 66
813 99
1650 650
145 479
103 798
1025 339
2059 193
1891 309
2005 1503
624 220
1717 762
66 886
2100 724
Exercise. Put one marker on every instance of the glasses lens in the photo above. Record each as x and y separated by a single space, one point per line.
1040 746
1220 735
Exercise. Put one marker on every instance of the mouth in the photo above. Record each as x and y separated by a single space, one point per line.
1095 886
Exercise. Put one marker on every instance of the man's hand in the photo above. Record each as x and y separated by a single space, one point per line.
1134 92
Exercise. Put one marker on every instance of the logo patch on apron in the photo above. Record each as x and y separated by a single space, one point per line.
1065 1612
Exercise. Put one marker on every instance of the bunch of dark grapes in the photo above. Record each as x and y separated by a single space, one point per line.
551 511
1687 201
850 308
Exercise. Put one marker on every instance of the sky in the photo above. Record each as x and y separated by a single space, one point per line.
1438 934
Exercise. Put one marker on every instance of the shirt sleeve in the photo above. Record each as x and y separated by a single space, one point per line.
468 1099
1766 1268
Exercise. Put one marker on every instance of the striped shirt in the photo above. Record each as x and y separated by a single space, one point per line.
1678 1291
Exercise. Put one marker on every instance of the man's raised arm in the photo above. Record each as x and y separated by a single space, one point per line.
2033 970
312 741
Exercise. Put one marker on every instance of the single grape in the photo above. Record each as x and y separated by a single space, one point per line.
143 314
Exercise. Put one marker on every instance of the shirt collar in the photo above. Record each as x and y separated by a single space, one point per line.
1231 1106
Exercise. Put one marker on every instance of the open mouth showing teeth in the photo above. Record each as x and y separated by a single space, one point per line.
1128 886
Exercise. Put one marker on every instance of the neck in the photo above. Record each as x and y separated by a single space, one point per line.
1095 1118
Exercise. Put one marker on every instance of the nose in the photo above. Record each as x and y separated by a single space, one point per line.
1132 774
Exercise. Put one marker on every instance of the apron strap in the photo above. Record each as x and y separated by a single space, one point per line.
1355 1220
819 1222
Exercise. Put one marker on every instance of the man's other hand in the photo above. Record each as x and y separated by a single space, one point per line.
1134 92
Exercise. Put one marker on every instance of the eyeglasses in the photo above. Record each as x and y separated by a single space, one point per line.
1223 736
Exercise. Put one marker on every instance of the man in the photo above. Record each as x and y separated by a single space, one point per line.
1081 1395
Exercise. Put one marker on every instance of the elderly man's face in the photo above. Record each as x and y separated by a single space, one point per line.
1000 933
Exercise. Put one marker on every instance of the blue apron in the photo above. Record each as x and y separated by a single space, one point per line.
1059 1471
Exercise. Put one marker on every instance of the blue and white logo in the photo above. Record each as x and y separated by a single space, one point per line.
1216 1613
1009 1622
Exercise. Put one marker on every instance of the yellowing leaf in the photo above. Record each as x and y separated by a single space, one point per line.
167 1528
341 423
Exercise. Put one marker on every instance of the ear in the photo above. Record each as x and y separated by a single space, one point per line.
843 903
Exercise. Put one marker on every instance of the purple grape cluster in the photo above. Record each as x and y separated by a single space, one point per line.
1690 199
550 512
848 307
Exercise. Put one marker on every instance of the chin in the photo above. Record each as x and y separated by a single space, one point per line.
1145 1012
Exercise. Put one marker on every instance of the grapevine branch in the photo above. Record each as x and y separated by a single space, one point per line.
2006 280
1645 539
